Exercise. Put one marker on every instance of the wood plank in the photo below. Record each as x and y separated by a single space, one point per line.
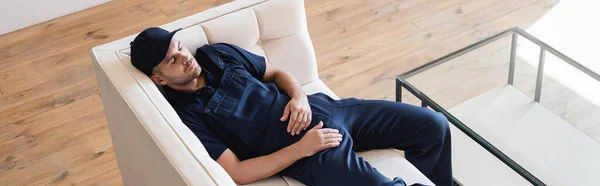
378 52
61 97
484 14
394 64
60 154
315 7
455 14
112 177
353 71
75 175
43 85
49 125
406 12
30 75
182 8
328 23
363 40
346 11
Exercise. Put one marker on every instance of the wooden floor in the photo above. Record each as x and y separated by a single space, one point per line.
53 130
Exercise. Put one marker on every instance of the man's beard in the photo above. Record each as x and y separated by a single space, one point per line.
185 79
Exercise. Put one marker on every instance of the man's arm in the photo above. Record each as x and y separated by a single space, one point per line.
244 172
284 81
247 171
297 110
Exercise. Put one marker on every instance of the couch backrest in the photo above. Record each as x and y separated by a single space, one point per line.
152 145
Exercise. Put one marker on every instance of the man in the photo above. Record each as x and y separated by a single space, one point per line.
255 120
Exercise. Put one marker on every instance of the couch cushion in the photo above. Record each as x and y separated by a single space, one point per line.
391 163
318 86
192 38
272 25
239 28
294 54
272 181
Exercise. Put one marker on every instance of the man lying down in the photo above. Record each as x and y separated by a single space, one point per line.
255 121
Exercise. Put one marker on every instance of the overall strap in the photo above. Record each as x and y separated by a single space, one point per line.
214 57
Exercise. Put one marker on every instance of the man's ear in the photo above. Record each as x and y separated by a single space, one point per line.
157 79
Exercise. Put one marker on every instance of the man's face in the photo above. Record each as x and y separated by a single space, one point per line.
178 67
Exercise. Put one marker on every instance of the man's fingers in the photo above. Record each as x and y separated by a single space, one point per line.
301 123
334 135
318 126
331 145
309 120
328 130
297 124
293 116
286 114
306 121
333 140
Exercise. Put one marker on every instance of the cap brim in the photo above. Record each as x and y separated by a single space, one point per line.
165 43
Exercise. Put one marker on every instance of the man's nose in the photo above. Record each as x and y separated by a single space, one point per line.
184 58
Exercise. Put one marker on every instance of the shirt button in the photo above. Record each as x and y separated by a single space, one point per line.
228 69
207 110
197 106
221 63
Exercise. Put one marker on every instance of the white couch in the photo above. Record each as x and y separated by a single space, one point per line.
154 147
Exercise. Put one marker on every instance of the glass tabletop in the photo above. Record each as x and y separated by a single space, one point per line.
522 112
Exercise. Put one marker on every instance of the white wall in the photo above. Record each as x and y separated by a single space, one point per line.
17 14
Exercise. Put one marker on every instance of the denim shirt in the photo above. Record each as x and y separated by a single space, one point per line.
231 110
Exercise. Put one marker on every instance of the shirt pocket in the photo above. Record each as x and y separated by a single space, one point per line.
244 101
231 99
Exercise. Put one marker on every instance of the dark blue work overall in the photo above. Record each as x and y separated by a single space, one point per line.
236 110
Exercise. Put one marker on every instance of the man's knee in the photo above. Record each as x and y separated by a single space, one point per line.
438 125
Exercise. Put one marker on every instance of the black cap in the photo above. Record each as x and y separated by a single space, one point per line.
149 48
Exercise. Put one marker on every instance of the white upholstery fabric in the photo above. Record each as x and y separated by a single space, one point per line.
391 163
239 28
273 25
192 38
318 86
154 147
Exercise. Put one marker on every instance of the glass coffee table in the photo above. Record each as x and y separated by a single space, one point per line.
522 113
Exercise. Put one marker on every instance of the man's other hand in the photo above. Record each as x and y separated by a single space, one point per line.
299 113
318 139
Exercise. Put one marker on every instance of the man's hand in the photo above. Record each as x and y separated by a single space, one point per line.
318 139
299 113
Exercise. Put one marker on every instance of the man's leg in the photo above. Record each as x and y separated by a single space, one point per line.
423 134
338 166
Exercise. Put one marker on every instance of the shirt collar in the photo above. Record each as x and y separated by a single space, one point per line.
180 98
